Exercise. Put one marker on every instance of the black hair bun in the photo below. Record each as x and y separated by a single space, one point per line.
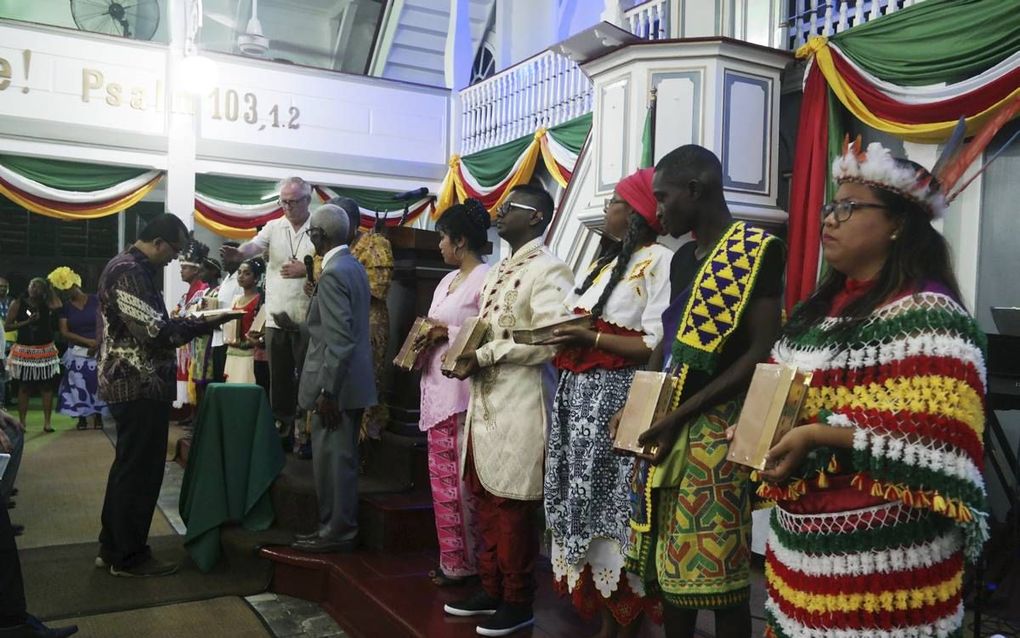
477 214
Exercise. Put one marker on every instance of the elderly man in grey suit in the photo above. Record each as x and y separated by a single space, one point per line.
336 381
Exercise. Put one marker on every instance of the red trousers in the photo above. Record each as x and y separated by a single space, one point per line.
508 544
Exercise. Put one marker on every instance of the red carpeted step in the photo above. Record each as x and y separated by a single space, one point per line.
386 595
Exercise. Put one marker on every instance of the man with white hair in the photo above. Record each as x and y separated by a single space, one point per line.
336 381
284 243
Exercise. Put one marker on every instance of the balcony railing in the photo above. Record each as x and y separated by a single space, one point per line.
826 18
543 91
649 20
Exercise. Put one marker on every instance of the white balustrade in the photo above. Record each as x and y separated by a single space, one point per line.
649 20
828 17
543 91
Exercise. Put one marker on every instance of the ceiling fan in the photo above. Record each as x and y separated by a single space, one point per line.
137 20
251 40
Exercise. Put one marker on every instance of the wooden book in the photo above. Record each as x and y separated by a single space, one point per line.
771 409
408 355
471 334
219 312
258 324
649 399
540 334
230 330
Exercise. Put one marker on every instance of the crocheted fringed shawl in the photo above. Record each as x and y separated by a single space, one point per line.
712 307
911 382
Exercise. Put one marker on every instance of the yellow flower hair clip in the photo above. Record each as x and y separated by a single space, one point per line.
63 278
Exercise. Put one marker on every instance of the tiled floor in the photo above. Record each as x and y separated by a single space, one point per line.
286 617
289 617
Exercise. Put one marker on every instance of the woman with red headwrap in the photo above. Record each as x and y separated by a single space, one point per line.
586 490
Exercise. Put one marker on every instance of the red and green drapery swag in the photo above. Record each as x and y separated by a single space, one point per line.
912 74
235 207
229 206
489 175
72 190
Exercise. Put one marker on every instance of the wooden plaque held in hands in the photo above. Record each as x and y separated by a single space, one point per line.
771 409
537 335
259 323
408 355
471 334
649 399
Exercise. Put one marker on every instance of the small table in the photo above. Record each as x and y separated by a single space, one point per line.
235 457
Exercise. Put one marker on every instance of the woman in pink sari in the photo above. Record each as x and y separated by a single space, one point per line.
463 234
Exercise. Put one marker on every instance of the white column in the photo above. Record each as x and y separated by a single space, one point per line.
459 50
613 14
181 142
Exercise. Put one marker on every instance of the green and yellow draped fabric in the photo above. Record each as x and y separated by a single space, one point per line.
489 175
912 74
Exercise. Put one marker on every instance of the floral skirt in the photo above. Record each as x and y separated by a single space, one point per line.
33 363
586 490
79 388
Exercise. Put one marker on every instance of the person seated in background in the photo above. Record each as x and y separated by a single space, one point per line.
34 360
15 621
79 387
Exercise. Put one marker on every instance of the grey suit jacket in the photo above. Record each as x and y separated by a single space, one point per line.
339 357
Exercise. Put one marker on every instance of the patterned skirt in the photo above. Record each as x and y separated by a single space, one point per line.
79 388
33 363
454 505
887 570
697 550
586 495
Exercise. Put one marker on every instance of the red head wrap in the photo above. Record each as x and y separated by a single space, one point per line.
636 190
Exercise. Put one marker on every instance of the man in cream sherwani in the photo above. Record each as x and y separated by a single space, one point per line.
512 387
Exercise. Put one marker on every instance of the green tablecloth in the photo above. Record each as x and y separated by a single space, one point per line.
234 458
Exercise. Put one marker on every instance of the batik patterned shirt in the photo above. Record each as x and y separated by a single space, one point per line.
137 358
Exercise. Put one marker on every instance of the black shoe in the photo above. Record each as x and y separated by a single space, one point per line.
304 538
33 628
325 546
478 604
507 619
151 567
18 529
14 491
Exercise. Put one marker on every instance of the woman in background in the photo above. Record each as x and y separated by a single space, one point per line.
240 366
463 231
33 359
79 388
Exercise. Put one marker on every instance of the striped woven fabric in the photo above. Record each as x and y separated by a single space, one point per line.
872 541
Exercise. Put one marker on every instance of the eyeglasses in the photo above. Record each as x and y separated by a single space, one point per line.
506 206
315 230
842 210
609 202
177 249
289 203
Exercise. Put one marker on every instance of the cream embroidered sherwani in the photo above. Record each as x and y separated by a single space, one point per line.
511 395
